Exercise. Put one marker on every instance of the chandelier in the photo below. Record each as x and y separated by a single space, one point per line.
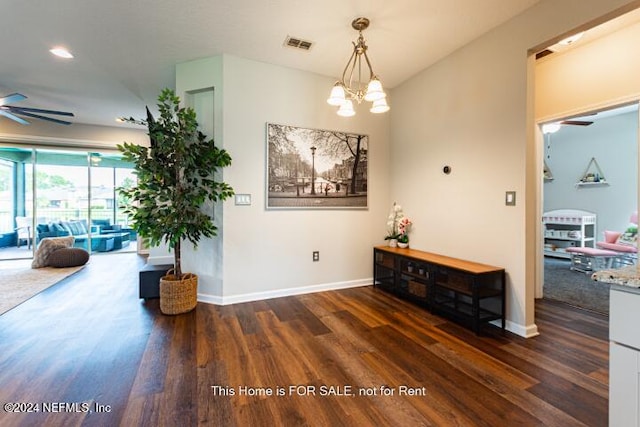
351 87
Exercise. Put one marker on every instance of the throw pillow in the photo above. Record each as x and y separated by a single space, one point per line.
59 230
47 246
68 257
628 238
74 227
611 236
65 226
80 227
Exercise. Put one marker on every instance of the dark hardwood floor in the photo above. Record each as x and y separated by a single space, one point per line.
89 341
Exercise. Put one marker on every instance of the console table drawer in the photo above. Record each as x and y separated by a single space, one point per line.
385 259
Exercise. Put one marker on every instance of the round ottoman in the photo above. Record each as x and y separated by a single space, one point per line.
68 257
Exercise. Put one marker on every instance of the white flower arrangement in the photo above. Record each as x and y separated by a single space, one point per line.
398 224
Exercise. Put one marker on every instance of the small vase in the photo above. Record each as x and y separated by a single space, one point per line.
403 245
393 243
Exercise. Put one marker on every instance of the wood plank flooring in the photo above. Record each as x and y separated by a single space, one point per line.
90 341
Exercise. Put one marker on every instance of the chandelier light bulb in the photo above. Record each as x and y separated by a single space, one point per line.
337 97
380 106
346 109
374 90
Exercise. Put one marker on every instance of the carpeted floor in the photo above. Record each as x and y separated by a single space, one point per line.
573 287
19 284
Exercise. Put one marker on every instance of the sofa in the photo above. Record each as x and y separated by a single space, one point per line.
80 231
122 236
624 243
106 227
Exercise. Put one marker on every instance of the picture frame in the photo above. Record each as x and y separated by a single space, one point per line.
316 169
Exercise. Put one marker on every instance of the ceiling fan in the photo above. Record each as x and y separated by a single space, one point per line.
579 121
576 122
13 112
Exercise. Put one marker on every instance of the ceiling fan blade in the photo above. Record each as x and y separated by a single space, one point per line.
39 110
37 116
576 122
13 117
14 97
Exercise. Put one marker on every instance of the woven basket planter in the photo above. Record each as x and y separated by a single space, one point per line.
178 296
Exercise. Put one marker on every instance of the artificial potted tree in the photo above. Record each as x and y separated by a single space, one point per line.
176 176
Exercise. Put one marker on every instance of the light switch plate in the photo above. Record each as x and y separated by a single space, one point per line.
510 198
243 199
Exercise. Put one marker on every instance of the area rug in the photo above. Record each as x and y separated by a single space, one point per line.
574 287
19 284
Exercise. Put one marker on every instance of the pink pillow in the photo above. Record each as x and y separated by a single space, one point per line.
611 236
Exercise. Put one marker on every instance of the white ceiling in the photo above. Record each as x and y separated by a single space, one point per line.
125 50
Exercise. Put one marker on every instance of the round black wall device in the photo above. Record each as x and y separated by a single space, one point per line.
446 169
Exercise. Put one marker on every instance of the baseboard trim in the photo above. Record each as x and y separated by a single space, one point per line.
529 331
258 296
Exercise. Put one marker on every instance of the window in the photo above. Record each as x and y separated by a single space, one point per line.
7 195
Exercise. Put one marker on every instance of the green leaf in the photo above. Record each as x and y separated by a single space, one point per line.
176 175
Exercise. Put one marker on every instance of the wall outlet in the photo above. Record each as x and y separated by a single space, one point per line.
316 256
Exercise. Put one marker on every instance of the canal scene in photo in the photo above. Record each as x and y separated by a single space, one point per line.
312 168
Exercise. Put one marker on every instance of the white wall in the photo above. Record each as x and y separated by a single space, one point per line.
473 111
601 73
613 142
268 252
200 85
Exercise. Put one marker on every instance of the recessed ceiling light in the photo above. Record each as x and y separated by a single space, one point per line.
61 52
572 39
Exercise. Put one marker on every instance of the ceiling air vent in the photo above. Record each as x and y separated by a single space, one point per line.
543 53
297 43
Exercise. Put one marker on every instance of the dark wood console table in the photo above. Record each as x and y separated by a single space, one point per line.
467 292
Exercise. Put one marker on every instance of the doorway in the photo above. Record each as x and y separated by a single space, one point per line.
58 192
590 191
594 73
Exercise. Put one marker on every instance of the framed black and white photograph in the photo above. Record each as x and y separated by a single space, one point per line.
315 169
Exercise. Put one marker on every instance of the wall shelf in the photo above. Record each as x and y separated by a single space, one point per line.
548 175
592 184
592 176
